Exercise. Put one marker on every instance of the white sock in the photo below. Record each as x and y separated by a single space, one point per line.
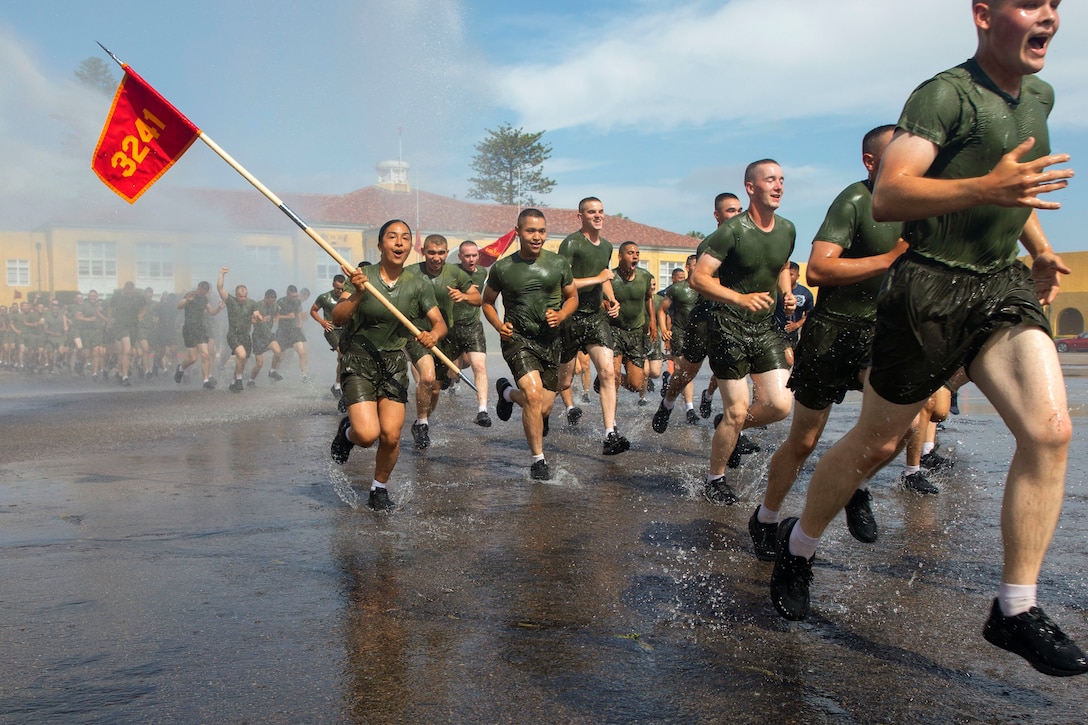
669 404
1016 598
766 516
609 431
539 457
506 395
907 470
690 406
482 408
801 544
376 484
714 477
421 421
928 448
569 407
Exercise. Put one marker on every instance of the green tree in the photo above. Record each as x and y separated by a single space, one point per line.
95 73
697 235
507 165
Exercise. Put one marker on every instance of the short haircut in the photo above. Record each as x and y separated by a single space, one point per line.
467 243
795 267
588 199
204 286
870 140
529 213
722 197
291 288
626 244
339 278
436 240
750 171
270 294
691 258
678 270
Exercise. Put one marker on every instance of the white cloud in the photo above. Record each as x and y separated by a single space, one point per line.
751 60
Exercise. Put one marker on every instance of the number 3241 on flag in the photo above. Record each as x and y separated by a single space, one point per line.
144 135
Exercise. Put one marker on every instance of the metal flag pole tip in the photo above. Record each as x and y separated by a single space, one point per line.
110 54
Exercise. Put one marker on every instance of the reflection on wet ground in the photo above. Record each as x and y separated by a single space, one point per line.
179 555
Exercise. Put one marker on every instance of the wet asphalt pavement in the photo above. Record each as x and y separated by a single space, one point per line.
171 554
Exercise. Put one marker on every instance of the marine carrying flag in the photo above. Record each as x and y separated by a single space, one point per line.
144 135
491 253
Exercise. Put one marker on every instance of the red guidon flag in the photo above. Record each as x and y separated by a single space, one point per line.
144 135
491 253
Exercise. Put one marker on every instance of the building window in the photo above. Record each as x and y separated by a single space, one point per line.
206 260
263 262
664 276
327 268
96 266
18 273
155 267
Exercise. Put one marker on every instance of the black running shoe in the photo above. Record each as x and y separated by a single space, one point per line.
763 537
859 516
421 435
642 402
379 500
650 386
720 493
1036 638
178 374
734 458
597 384
126 382
237 386
253 383
483 419
954 408
746 447
503 407
660 422
706 399
540 471
586 398
446 383
574 415
336 391
615 444
691 417
665 377
341 446
209 384
275 375
341 405
718 419
918 482
547 425
934 461
791 577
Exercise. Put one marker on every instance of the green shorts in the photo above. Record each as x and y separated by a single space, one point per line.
631 344
829 359
236 340
417 352
738 347
694 348
655 350
333 337
464 337
580 331
524 355
366 378
932 320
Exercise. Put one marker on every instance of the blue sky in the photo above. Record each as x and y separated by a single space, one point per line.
652 106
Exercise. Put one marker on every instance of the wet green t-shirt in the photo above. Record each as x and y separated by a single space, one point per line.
632 298
462 311
240 315
684 299
326 301
751 259
412 295
974 124
587 260
849 224
450 276
529 288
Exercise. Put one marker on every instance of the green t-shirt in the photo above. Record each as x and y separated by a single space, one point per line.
751 259
849 224
974 123
450 276
412 294
632 298
240 315
287 306
529 288
587 260
326 301
683 301
462 311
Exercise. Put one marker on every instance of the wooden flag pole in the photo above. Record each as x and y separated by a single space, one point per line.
344 264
